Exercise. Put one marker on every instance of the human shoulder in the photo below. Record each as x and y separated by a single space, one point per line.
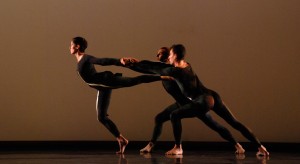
187 69
89 56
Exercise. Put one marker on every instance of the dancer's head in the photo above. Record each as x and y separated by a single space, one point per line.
163 54
177 53
78 44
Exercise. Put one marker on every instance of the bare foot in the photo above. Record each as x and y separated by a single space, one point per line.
239 149
148 148
123 142
262 151
177 150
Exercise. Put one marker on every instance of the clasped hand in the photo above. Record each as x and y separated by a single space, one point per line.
128 61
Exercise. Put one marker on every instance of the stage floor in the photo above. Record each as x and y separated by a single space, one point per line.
134 157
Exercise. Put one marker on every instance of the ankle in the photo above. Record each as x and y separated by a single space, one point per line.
121 138
238 144
262 151
178 146
239 149
151 144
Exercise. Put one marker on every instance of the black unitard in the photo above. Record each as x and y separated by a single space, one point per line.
184 106
107 79
223 111
104 82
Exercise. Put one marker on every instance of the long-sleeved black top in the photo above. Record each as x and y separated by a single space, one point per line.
188 82
107 79
87 71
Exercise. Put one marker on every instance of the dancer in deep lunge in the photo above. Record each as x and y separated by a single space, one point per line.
104 82
200 100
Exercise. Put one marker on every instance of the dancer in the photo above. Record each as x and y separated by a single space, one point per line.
216 104
223 111
104 82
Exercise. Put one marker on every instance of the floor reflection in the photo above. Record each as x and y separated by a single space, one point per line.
134 157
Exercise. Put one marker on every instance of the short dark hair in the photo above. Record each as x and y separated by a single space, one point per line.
81 42
179 50
165 52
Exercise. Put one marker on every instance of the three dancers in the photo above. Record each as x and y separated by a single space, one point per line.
192 98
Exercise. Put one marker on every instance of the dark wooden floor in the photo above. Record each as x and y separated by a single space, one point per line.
131 156
82 152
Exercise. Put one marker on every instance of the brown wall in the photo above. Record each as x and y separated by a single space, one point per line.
248 51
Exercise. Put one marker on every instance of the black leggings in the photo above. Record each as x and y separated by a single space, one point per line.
221 110
175 113
104 95
102 104
118 81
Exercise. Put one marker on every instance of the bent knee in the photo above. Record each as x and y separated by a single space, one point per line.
210 101
160 119
103 119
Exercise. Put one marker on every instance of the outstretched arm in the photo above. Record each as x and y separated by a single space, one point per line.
106 61
146 66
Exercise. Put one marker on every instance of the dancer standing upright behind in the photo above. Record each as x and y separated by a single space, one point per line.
104 82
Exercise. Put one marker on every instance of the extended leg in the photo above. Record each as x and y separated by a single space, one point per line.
121 81
223 111
223 132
